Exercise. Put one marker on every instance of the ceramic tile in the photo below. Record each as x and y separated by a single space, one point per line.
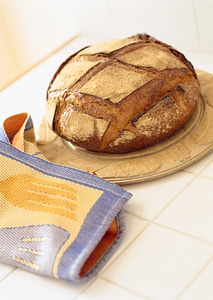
33 102
134 227
159 264
29 92
104 290
201 61
191 211
22 285
132 17
150 197
93 17
204 10
5 271
39 40
155 261
197 167
202 288
208 171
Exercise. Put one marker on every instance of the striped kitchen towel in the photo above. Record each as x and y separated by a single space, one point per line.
54 220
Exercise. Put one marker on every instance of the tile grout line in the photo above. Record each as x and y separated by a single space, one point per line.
127 289
149 223
152 222
202 169
205 177
7 275
112 260
184 233
174 197
42 60
85 288
194 278
196 25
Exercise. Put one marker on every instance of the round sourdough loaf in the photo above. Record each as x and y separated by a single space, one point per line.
122 95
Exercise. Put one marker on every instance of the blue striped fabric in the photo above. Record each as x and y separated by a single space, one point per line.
56 220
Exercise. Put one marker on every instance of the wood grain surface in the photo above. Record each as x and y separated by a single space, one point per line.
193 142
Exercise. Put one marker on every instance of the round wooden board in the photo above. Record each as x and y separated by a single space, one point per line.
190 144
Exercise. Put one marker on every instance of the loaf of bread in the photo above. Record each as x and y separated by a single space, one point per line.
122 95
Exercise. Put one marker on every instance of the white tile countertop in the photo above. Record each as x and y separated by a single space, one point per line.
167 252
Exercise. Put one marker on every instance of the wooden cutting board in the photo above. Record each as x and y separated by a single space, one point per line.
193 142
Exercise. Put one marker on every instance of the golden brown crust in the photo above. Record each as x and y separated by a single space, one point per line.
123 95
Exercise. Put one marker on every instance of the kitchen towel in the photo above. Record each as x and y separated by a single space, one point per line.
54 220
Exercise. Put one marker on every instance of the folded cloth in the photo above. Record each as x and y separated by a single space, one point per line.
54 220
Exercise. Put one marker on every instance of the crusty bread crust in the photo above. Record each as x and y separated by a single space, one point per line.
122 95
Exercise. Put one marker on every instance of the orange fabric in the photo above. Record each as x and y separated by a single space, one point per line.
14 128
101 248
29 186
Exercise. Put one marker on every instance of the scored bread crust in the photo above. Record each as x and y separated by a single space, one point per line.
122 95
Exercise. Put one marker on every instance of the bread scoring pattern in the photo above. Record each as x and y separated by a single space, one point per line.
123 95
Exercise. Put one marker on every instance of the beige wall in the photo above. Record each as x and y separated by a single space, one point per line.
9 64
31 29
